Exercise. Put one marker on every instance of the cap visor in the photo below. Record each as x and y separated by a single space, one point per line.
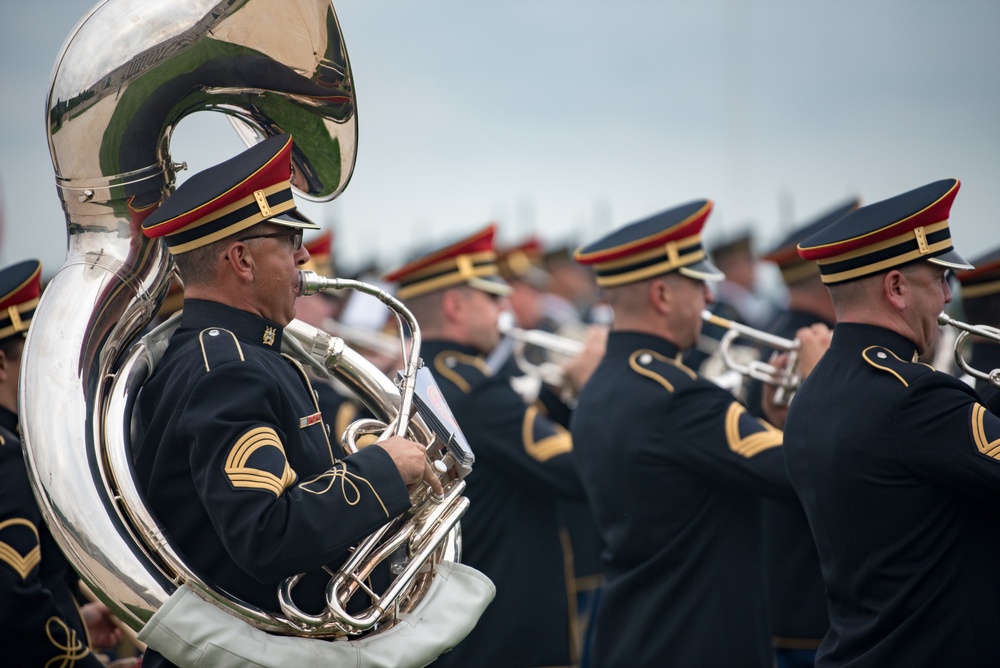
703 270
952 260
491 284
293 219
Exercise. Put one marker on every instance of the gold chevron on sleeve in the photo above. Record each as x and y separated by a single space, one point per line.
755 443
550 446
246 477
983 442
22 564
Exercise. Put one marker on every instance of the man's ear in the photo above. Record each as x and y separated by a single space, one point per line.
896 289
452 304
660 296
240 260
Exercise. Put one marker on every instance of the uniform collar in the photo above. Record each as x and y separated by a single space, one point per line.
858 336
253 329
624 341
437 345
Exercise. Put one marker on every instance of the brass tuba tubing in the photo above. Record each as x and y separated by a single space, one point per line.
967 330
310 283
786 380
130 71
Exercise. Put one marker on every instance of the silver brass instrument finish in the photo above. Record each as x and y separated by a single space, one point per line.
966 330
129 72
786 380
549 373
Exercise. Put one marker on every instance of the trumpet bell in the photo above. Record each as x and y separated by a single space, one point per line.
786 379
966 330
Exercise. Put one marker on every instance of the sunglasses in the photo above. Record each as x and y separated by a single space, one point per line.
295 238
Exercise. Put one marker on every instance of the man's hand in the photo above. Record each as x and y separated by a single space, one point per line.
411 460
579 369
101 627
813 342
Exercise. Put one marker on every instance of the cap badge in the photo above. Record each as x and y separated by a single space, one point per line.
15 319
465 269
672 255
921 240
265 209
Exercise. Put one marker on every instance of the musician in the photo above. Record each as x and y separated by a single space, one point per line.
796 593
736 294
980 292
673 466
735 297
523 460
232 450
42 618
522 266
896 464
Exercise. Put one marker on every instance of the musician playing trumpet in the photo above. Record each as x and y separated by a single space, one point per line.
674 466
897 464
524 460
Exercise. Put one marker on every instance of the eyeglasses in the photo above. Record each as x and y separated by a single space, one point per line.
295 238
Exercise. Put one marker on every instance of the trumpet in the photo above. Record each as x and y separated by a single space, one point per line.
985 331
786 380
548 372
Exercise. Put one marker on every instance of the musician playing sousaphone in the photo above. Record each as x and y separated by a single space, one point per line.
232 450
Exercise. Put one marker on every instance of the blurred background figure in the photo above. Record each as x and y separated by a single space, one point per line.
736 296
980 296
573 295
522 267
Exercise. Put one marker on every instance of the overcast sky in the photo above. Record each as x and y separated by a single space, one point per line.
567 118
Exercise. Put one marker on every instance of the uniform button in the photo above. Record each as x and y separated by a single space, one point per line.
645 358
213 332
881 355
450 362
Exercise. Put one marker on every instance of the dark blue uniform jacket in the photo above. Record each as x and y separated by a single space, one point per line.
524 462
674 468
897 468
40 620
234 456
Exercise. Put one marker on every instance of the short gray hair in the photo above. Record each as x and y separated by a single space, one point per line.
198 266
